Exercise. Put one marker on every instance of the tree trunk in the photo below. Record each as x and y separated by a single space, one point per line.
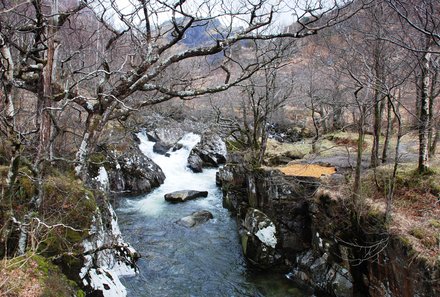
433 147
378 107
316 126
432 128
390 194
424 115
360 146
388 132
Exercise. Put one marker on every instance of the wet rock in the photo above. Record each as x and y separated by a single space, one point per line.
209 152
184 195
320 271
195 163
195 219
128 170
134 173
161 147
165 138
258 238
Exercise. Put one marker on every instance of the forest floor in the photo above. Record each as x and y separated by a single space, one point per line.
416 202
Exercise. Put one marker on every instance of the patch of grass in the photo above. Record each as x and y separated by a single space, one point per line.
294 150
435 223
415 206
426 236
34 275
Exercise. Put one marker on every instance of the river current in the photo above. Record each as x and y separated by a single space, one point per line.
177 261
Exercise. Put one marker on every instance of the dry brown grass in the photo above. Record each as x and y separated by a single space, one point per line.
312 170
415 212
19 278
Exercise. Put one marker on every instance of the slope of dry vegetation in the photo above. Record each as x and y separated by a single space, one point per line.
415 215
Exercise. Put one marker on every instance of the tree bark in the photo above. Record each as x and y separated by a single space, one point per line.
390 194
378 105
432 127
424 115
388 131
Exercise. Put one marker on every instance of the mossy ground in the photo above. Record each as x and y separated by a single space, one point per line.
55 230
34 276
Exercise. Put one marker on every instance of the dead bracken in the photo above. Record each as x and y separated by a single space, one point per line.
312 170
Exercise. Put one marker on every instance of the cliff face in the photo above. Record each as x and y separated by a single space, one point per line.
295 225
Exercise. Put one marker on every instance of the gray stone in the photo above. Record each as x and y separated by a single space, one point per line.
131 172
209 152
342 284
161 147
195 219
195 163
184 195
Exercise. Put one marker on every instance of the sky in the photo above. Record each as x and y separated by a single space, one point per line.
285 10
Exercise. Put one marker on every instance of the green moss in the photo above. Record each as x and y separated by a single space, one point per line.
234 146
66 201
418 232
70 197
426 238
435 223
45 278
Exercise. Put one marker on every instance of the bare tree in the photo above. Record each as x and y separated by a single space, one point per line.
78 65
421 23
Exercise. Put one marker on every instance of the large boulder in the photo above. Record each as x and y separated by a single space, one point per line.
209 152
134 173
259 239
166 138
321 272
184 195
161 147
128 170
195 219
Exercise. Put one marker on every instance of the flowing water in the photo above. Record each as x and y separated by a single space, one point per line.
176 261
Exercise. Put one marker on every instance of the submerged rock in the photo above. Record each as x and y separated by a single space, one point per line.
195 219
209 152
184 195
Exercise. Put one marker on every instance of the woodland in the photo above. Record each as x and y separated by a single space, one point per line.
81 76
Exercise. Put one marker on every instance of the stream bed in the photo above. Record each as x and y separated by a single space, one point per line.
177 261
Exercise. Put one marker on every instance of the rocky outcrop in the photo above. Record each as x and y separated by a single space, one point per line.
134 173
129 171
106 256
298 224
282 200
184 195
166 138
195 219
209 152
319 272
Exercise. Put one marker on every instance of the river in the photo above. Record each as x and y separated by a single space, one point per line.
177 261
